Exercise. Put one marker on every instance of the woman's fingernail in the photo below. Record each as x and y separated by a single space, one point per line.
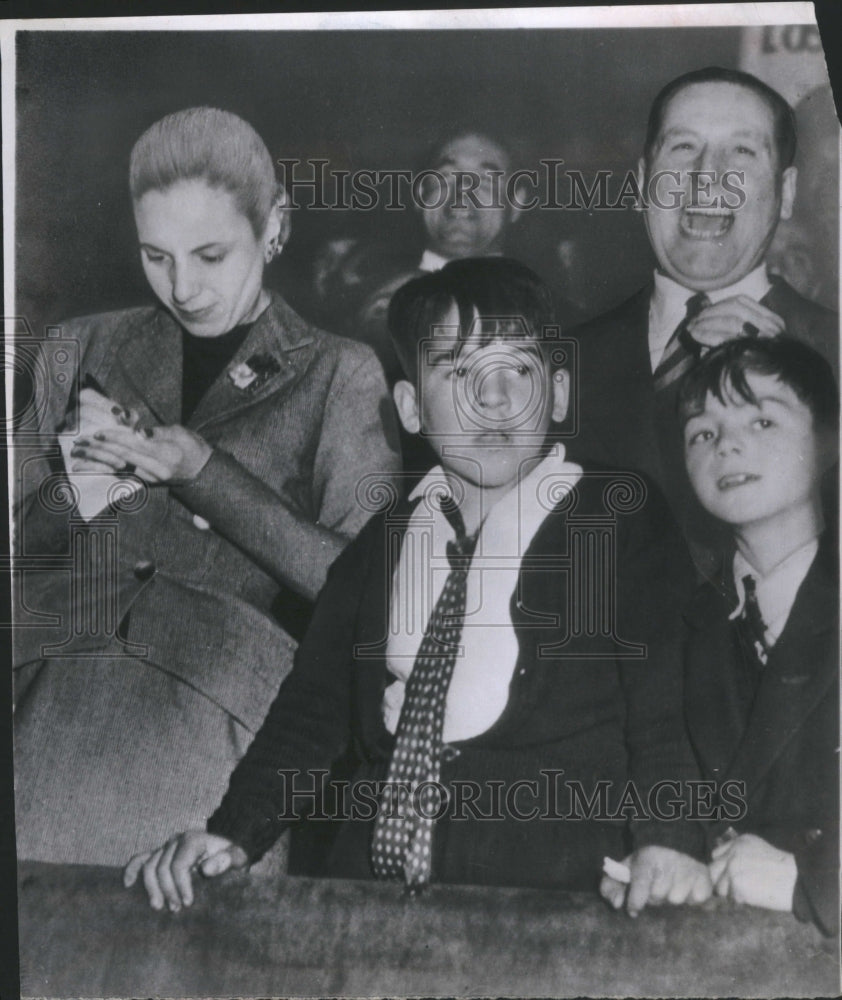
146 432
99 436
81 443
174 907
77 453
116 410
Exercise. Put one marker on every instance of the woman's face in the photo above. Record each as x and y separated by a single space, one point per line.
201 256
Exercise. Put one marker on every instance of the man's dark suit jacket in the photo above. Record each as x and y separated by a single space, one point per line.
786 747
598 719
614 396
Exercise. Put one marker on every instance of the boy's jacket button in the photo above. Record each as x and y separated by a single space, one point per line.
449 753
144 570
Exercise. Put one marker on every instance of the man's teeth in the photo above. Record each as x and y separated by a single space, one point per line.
706 224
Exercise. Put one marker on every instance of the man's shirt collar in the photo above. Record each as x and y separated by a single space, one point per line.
669 304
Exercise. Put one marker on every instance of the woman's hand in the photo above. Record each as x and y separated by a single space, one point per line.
167 870
154 454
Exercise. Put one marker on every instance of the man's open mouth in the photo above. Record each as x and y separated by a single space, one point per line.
706 223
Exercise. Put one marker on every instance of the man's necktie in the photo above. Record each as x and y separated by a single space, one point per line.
403 832
681 352
753 620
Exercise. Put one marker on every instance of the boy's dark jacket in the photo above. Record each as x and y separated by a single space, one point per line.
788 752
596 719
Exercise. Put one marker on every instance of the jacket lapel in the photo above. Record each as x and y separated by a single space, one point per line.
627 378
711 697
797 675
277 349
370 670
147 370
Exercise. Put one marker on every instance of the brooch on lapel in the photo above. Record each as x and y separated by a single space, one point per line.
251 374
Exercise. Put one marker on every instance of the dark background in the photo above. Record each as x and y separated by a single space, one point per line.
373 99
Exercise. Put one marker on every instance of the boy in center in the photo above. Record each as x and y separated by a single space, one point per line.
516 617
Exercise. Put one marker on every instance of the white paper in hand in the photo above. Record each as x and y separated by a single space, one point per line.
94 489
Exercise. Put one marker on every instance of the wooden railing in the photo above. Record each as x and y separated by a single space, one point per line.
82 934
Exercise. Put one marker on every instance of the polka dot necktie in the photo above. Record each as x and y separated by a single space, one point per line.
402 845
681 352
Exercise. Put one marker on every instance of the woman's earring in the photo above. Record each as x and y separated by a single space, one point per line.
273 248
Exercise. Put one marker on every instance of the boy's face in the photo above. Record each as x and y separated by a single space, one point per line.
484 408
751 463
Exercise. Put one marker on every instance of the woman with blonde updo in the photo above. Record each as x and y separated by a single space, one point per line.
203 474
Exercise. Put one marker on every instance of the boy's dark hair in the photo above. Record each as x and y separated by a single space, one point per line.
491 287
722 372
782 114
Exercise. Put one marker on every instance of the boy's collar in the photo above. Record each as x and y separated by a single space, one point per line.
784 576
554 462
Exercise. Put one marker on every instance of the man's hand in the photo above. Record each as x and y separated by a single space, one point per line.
167 871
658 875
734 317
749 870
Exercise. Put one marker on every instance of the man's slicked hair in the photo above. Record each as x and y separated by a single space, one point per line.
495 288
430 157
782 114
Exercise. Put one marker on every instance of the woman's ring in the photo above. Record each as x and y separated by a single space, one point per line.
129 469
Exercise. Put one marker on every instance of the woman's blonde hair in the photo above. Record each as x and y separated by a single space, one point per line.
207 144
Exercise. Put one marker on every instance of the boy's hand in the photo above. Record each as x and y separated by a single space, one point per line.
658 875
166 871
734 317
749 870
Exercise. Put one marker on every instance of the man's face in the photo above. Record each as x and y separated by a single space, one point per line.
715 127
485 408
470 217
754 463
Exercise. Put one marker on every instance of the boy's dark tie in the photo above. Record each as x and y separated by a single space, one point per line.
681 352
752 620
403 832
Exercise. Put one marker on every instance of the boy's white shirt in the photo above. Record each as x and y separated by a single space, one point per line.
668 305
432 261
479 689
776 591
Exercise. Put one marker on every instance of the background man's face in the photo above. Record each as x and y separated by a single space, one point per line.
716 127
458 227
